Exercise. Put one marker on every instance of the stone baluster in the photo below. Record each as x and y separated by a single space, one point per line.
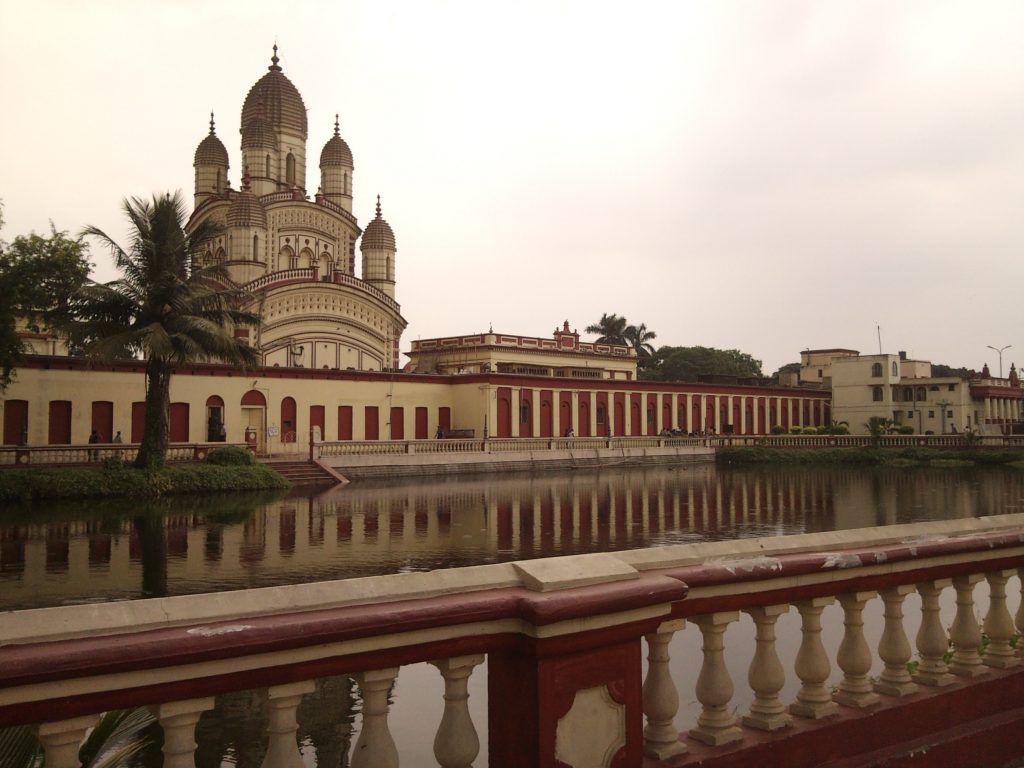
62 739
456 744
966 634
660 697
932 642
178 720
999 623
814 700
1019 619
766 675
375 747
854 656
716 725
282 702
894 647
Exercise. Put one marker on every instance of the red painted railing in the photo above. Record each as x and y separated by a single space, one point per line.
562 639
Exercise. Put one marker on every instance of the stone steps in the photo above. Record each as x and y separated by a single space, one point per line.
302 472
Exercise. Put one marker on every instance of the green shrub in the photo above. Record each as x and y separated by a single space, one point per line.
230 455
809 431
778 429
796 430
904 429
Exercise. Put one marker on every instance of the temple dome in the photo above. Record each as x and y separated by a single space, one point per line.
246 210
336 151
211 150
378 234
257 134
274 98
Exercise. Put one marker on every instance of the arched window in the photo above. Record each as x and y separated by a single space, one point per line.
908 394
876 369
876 394
895 369
268 167
219 187
921 393
290 170
288 420
255 247
524 412
600 414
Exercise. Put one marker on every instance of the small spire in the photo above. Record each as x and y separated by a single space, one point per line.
273 61
378 206
211 123
336 124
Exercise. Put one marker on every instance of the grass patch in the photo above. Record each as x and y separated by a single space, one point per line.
896 457
76 482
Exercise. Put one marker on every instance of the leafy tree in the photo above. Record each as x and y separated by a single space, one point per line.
945 370
787 368
640 339
687 363
161 308
39 276
611 329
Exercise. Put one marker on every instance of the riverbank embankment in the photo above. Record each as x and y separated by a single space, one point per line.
871 456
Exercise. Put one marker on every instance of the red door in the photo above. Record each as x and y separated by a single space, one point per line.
317 418
619 400
421 422
584 415
547 413
59 428
666 412
289 423
504 399
372 426
398 423
695 416
604 416
444 418
526 413
652 415
564 412
15 422
138 421
344 422
179 423
636 419
103 419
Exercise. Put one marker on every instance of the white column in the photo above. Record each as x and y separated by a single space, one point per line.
61 740
716 724
660 697
854 656
514 404
1019 618
966 634
894 647
283 701
375 747
456 744
766 675
932 642
814 700
998 623
178 720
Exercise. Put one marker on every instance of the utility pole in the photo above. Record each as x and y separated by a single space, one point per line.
1000 350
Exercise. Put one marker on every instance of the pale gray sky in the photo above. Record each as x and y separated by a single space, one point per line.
767 176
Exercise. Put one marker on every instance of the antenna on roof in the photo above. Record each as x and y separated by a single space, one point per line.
879 337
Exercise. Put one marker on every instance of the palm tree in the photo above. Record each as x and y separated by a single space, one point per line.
161 308
611 329
639 338
117 738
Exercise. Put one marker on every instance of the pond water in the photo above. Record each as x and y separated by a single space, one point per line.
95 551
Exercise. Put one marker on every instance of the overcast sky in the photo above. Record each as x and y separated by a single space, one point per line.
766 176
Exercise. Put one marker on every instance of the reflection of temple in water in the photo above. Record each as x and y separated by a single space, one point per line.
367 529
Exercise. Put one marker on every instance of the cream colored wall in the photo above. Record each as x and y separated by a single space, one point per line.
915 369
852 390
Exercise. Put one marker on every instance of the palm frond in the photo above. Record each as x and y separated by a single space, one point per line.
19 748
117 736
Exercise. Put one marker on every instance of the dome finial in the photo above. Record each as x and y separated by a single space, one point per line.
273 61
378 206
336 124
211 123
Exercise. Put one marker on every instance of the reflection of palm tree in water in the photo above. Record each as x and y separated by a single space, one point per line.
235 730
153 550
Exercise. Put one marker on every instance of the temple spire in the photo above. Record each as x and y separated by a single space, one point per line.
211 123
273 61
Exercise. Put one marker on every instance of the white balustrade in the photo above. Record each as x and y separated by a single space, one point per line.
283 702
61 740
894 647
932 642
766 675
660 697
854 656
456 744
998 623
966 634
178 720
716 724
814 700
375 747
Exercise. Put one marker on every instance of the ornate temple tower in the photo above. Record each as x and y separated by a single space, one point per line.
296 256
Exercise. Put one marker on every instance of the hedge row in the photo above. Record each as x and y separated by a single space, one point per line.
865 456
36 484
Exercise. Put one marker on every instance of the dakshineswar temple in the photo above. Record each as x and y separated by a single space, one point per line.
329 339
294 252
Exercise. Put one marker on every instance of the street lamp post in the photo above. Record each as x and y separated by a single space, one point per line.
1000 350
